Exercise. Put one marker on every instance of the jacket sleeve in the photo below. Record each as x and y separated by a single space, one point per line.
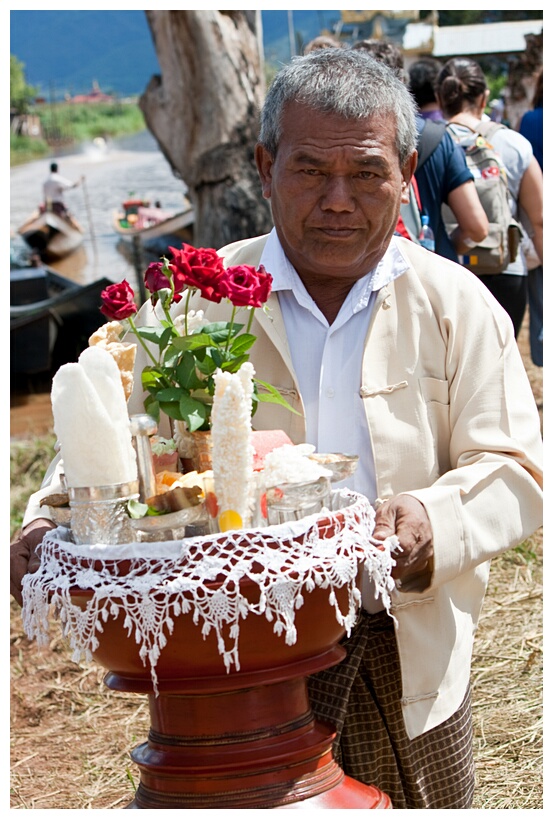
491 498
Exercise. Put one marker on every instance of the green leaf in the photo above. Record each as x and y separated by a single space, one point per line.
170 394
153 378
136 509
171 356
219 330
207 366
171 408
197 341
272 396
217 357
194 412
153 334
186 373
234 364
242 343
166 336
151 405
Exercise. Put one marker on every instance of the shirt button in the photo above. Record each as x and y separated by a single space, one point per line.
330 393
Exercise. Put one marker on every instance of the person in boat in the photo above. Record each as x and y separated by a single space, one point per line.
53 191
404 357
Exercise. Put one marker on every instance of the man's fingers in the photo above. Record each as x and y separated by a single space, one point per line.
406 517
24 555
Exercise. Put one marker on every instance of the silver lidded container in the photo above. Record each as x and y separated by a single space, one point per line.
99 513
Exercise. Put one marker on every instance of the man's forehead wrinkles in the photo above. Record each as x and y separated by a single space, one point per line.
357 155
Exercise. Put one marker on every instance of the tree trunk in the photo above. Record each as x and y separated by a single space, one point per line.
204 113
521 82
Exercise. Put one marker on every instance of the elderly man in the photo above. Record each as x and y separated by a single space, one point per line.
405 358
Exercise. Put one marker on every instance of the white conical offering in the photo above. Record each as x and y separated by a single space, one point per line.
91 422
233 452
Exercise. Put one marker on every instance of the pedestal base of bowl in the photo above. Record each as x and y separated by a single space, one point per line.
242 741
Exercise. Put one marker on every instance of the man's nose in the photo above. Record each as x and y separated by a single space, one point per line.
338 194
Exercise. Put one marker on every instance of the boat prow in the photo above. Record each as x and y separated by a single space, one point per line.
51 235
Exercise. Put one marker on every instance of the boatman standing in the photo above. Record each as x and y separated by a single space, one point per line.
53 191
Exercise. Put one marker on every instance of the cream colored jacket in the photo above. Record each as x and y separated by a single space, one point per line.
453 422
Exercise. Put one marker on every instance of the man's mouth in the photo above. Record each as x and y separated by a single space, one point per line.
338 231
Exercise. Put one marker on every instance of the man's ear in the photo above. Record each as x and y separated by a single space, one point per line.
264 162
407 172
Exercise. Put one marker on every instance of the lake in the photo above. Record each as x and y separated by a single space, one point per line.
128 165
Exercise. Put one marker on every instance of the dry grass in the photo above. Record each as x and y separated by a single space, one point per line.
71 737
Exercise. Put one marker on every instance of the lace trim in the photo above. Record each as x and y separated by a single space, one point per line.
285 562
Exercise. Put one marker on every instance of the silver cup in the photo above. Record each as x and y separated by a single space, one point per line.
99 513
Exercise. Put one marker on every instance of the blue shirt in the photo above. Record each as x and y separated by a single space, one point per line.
531 126
444 170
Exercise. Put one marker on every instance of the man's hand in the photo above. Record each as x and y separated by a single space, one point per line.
23 554
406 517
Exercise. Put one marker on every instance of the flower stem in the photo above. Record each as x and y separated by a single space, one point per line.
230 328
141 340
250 320
188 294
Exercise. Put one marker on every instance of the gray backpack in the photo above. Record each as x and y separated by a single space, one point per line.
500 246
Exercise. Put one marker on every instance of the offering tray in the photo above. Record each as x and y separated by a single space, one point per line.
221 633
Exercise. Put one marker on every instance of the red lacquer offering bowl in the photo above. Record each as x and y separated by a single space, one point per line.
240 734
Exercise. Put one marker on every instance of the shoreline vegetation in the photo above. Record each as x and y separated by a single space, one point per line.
67 124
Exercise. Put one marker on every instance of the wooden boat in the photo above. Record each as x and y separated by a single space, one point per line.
139 218
51 318
51 235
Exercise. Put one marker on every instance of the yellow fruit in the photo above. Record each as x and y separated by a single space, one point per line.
229 519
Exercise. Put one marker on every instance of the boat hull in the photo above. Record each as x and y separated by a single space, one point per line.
51 235
175 224
51 319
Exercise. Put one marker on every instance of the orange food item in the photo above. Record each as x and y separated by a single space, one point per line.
166 478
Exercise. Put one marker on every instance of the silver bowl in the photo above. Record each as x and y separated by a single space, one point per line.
171 526
341 466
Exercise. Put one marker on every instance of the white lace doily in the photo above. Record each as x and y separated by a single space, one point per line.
286 562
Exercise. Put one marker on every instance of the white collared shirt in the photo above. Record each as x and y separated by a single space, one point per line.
328 359
328 364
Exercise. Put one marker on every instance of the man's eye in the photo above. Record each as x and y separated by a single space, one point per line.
366 175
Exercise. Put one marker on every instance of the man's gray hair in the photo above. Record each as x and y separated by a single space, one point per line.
349 83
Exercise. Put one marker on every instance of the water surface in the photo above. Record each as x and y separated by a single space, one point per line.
129 165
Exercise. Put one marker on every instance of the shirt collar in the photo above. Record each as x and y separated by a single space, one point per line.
285 277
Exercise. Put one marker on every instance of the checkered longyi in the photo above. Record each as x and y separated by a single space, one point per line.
361 697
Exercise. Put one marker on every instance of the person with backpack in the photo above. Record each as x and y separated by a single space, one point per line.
423 74
505 171
441 176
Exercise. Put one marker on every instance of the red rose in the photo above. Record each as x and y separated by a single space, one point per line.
118 301
156 278
246 286
200 268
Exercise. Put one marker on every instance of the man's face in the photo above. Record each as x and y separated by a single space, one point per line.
335 187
